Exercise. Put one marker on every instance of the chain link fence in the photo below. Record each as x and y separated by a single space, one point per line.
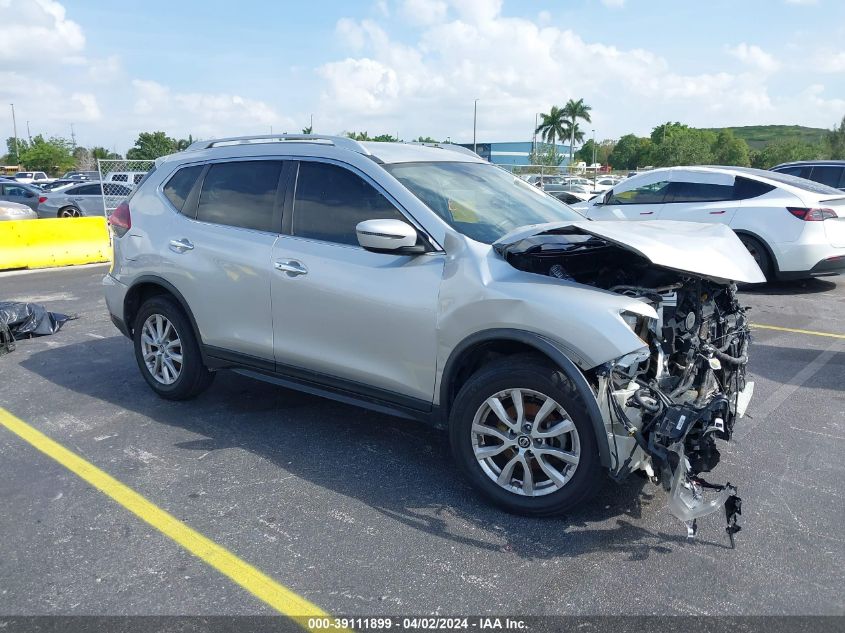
119 178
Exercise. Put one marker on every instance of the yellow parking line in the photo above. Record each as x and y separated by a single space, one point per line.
795 330
258 584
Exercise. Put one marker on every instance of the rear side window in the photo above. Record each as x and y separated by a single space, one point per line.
745 188
240 194
699 192
647 194
180 185
800 171
829 175
330 202
87 190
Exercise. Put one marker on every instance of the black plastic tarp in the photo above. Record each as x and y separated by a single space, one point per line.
30 319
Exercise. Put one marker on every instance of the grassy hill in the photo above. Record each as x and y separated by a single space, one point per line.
758 136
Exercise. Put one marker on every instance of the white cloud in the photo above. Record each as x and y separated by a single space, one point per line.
829 61
37 28
613 4
424 12
203 115
754 56
517 67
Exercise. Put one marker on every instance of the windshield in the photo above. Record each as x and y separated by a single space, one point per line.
478 199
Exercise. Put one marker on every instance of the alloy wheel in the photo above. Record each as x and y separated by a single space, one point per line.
525 442
161 348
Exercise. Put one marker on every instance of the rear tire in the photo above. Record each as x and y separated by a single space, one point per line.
530 464
69 212
167 351
760 255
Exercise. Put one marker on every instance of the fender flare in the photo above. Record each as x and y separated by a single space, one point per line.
548 348
172 290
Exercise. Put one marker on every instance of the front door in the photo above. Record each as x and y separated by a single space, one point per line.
640 199
346 313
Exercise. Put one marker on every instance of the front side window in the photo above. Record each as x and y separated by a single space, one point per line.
699 192
330 201
180 185
480 200
653 193
241 194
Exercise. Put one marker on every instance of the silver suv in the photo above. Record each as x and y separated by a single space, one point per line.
425 282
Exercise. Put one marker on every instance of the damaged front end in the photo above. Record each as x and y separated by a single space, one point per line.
666 405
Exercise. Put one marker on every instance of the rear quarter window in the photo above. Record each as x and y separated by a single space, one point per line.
180 184
746 188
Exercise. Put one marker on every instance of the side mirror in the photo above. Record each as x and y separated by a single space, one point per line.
388 236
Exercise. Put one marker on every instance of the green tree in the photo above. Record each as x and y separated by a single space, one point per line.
15 150
359 136
676 144
151 145
308 129
575 135
385 138
547 156
572 111
729 150
785 151
184 143
53 155
552 126
836 140
425 139
630 152
101 153
602 154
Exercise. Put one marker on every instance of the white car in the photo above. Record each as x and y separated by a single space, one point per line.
32 177
794 228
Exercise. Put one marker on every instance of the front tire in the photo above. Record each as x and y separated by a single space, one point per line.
523 437
167 351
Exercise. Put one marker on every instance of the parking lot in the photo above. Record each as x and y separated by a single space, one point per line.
364 514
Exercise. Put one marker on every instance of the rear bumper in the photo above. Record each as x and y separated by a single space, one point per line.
826 267
115 293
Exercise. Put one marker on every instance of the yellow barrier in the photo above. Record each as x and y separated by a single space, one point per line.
53 242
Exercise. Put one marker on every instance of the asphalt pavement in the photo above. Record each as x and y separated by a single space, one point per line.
364 514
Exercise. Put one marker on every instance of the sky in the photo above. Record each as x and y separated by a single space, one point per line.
414 67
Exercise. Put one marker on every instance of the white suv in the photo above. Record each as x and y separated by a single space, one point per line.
427 283
793 227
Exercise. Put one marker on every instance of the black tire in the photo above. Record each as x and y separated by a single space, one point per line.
533 373
69 212
760 254
193 377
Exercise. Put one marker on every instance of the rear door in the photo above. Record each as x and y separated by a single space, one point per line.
88 198
696 196
639 199
218 252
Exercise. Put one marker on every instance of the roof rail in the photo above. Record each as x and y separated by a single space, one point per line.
450 146
338 141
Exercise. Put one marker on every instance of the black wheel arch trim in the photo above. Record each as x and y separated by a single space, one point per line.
548 348
769 251
172 290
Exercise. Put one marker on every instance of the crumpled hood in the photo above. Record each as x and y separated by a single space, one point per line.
706 250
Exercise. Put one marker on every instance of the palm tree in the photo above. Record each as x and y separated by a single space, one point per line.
574 133
308 130
572 111
552 126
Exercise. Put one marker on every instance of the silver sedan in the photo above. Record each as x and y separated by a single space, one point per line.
85 199
15 211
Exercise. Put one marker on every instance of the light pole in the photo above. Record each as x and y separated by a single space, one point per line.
595 169
474 120
15 130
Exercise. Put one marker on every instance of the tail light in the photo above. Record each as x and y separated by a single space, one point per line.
812 215
42 199
121 220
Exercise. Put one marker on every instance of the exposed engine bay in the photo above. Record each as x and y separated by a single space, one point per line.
666 405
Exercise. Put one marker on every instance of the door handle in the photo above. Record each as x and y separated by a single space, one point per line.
716 212
180 246
646 212
292 267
